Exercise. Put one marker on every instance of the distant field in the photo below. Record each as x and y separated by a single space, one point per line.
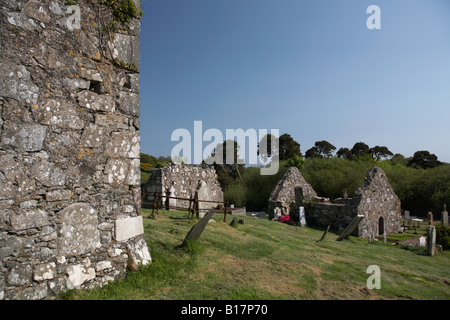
269 260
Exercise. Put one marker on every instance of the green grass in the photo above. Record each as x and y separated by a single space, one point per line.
263 259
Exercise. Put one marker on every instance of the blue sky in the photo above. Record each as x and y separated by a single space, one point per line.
309 68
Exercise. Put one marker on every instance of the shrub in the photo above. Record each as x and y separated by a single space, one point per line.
443 236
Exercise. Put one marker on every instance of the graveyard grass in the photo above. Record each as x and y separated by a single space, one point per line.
267 260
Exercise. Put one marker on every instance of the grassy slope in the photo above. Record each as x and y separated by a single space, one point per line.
270 260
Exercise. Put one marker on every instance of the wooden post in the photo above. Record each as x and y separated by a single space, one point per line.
157 203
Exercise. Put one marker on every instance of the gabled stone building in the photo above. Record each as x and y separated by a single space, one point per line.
284 193
375 200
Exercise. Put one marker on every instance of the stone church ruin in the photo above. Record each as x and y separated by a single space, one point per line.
376 201
184 182
69 148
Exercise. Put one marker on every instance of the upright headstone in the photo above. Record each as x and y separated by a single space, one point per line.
301 217
422 242
407 216
172 201
431 240
430 218
203 194
445 216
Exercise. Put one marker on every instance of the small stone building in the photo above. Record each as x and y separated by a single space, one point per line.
376 200
284 193
183 181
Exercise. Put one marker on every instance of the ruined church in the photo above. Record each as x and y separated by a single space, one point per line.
375 200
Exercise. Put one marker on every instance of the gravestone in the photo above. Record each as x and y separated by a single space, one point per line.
198 228
422 242
431 231
232 223
350 227
301 217
407 216
445 216
203 194
172 202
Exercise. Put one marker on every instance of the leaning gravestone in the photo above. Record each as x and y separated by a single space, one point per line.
350 227
198 228
232 223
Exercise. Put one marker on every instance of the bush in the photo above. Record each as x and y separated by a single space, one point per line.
443 236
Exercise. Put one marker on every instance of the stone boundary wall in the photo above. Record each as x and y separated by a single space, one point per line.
69 148
179 180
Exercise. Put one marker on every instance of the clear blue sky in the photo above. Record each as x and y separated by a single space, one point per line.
310 68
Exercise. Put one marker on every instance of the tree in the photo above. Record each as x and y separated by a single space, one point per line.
312 153
398 159
344 153
424 159
288 147
325 148
379 152
360 149
295 161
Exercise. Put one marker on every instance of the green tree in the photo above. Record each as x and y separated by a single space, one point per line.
295 161
424 159
379 152
313 153
325 148
360 149
288 147
344 153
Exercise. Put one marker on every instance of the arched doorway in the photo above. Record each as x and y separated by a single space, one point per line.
381 226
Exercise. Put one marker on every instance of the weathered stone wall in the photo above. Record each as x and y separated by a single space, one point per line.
284 192
375 200
69 148
183 181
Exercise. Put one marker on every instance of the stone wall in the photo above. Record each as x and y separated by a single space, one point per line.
284 194
69 148
376 200
183 181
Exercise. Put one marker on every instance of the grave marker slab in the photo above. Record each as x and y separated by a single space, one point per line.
198 228
350 227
